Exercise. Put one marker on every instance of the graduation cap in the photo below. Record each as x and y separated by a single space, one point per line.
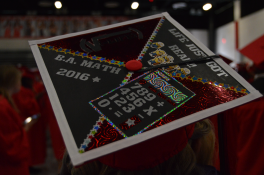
103 107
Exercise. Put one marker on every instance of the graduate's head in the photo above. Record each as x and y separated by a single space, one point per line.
27 79
10 79
176 152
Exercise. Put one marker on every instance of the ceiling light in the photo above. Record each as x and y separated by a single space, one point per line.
58 4
134 5
207 6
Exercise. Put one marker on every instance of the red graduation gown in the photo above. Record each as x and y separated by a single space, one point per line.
55 133
26 102
14 147
28 106
244 128
48 114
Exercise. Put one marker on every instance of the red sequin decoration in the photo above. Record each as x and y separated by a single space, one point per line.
125 126
171 102
105 134
142 81
162 96
207 96
152 89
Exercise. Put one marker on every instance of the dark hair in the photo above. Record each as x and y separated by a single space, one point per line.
9 75
27 82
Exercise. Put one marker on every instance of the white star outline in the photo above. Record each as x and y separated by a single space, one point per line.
130 122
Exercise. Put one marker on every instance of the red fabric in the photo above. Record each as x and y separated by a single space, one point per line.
27 74
14 147
37 133
26 103
55 134
28 106
47 113
151 152
255 50
37 140
230 139
244 128
39 87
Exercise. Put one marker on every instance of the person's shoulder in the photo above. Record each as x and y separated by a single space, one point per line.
3 102
5 108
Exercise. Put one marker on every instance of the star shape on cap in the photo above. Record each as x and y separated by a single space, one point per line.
96 79
130 122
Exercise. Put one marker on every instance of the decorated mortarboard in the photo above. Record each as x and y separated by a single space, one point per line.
116 86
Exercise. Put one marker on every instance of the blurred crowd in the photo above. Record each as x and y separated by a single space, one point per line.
254 74
39 27
26 115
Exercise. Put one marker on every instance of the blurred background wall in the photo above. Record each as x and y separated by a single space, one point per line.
23 20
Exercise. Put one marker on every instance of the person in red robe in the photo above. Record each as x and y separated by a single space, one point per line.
28 106
243 132
47 113
55 133
49 116
14 147
244 127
